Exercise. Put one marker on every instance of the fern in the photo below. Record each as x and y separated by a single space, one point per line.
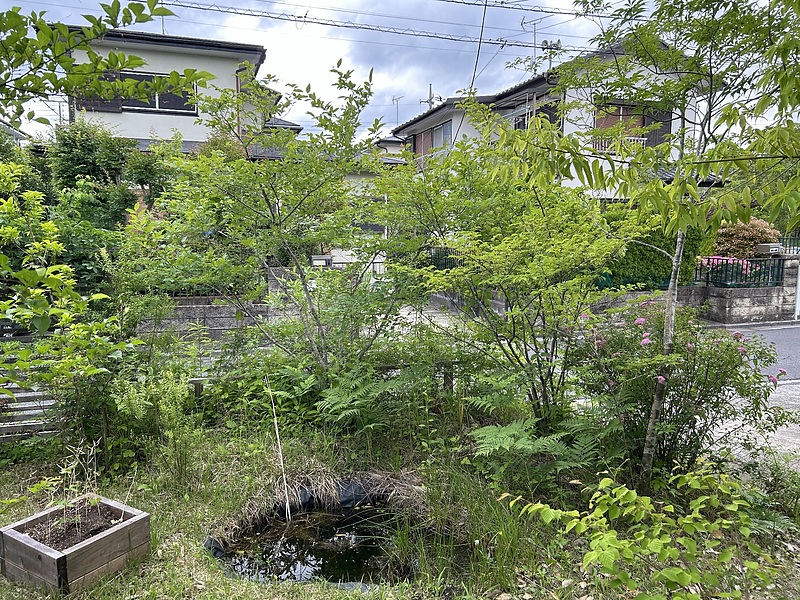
354 399
517 437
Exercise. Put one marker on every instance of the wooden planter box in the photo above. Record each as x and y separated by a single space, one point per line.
25 560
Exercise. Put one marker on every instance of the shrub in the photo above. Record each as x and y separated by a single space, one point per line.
715 378
700 546
739 240
643 265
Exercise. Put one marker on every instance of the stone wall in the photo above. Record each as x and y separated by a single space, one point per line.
745 305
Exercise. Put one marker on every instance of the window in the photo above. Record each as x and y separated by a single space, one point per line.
159 101
440 136
612 115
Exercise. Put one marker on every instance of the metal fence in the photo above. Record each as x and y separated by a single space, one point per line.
721 271
790 243
444 258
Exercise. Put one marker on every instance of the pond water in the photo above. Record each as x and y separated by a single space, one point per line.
352 545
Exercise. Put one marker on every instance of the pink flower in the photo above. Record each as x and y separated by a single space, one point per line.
690 345
640 321
585 316
646 334
781 372
738 335
742 349
646 303
645 341
773 380
661 379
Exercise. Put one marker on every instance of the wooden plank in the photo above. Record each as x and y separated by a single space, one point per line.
12 437
23 525
22 552
40 405
122 509
91 554
22 415
85 581
20 575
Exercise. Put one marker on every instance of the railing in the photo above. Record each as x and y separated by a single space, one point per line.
444 258
790 243
721 271
607 144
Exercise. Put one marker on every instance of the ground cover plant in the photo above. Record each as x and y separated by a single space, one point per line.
614 428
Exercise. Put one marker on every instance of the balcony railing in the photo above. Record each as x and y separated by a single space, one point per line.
607 145
721 271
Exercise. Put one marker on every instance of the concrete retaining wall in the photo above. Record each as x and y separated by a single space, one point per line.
210 313
745 305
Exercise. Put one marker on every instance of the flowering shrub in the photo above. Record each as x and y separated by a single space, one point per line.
740 239
714 379
725 270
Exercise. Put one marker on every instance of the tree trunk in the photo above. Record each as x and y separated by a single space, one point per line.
651 438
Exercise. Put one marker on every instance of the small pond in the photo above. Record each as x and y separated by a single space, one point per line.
350 545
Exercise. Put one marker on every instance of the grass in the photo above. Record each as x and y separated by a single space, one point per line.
234 481
231 481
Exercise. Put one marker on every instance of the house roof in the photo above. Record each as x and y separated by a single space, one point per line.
252 53
278 123
447 103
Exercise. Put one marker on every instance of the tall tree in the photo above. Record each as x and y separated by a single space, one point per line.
492 226
710 65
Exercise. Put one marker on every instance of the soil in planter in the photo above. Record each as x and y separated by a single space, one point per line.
352 545
74 524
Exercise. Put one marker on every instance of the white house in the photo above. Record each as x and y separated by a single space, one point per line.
161 116
583 111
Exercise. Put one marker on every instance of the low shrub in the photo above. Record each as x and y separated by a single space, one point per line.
715 378
739 240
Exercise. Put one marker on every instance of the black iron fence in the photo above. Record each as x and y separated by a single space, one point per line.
444 258
721 271
790 243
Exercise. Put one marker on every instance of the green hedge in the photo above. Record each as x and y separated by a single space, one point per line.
648 267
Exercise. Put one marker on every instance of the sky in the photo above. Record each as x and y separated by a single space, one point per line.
301 51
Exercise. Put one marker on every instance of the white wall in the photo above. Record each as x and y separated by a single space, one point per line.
150 125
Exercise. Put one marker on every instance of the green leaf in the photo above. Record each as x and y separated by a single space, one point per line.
41 323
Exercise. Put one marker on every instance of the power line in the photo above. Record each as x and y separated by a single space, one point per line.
302 19
382 15
534 9
478 53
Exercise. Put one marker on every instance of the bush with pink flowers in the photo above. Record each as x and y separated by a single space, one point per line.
715 379
739 240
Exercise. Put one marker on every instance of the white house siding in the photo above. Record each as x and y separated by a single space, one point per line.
161 60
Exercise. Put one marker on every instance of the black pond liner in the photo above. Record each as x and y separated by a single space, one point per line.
346 545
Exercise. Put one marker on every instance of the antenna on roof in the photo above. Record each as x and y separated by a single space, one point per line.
547 45
396 102
432 99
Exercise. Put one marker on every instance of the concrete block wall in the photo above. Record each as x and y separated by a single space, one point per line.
745 305
210 313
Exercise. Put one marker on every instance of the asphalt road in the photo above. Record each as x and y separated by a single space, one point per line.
786 337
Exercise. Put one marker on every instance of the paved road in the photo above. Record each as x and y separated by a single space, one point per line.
785 336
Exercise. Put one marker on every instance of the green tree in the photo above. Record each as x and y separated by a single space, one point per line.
489 224
38 58
708 63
